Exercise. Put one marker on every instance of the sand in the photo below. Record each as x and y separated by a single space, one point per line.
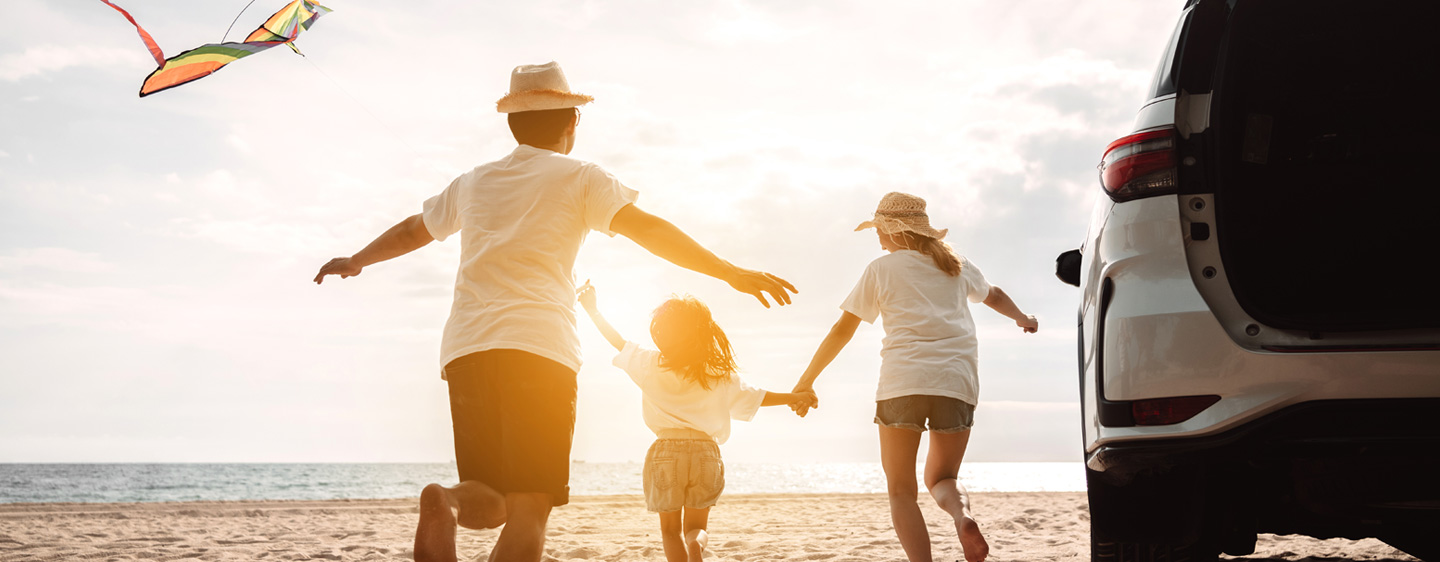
1020 526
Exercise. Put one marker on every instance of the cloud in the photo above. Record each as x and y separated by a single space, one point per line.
263 236
54 259
35 61
747 24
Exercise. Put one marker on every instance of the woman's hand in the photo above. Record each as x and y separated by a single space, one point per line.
807 400
1029 324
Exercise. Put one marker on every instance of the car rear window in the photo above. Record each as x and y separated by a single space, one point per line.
1165 76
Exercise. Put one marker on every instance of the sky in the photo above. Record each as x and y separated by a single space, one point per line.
156 254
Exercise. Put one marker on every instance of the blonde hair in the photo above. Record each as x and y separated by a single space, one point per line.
697 348
939 250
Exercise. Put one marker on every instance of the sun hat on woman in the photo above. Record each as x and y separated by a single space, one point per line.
538 87
902 212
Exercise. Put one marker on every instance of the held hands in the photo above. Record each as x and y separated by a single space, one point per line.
344 267
804 401
1029 324
757 283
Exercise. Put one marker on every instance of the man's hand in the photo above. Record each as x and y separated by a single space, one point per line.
757 283
343 267
1029 324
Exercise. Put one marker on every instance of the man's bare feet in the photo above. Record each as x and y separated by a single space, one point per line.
435 535
478 506
976 549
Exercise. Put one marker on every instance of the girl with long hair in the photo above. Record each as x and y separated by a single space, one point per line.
691 391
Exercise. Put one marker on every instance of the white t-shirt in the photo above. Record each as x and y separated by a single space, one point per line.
929 346
521 221
672 402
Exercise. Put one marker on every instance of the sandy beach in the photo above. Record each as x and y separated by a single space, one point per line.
1020 527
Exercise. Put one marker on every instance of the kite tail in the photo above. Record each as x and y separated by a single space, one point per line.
144 35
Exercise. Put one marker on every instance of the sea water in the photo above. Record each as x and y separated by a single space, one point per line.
298 481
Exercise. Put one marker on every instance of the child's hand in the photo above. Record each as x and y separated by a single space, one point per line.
586 295
1029 324
804 401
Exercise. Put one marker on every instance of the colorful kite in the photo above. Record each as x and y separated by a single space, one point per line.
280 29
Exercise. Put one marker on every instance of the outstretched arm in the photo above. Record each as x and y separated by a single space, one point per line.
586 294
839 335
405 237
1000 302
667 241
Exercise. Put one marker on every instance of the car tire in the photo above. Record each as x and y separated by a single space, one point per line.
1415 543
1146 552
1126 526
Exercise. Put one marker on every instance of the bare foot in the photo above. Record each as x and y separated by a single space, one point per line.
976 549
695 542
479 506
435 535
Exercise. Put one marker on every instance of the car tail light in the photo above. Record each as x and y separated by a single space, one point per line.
1166 411
1140 165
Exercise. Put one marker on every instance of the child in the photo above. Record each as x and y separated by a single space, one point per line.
690 393
928 364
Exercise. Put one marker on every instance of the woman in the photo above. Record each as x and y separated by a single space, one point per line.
928 364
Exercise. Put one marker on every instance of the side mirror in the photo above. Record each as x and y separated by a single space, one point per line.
1067 267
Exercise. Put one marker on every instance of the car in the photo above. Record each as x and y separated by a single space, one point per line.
1259 326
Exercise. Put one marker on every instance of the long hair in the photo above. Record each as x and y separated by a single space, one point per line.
939 250
690 341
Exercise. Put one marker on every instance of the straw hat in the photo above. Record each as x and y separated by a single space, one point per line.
902 212
536 87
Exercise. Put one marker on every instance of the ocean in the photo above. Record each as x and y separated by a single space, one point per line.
28 483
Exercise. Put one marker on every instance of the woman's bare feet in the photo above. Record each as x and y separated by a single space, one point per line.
971 540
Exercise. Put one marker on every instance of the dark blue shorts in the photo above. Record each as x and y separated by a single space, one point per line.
514 419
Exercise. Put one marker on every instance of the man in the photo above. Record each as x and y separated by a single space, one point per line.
510 349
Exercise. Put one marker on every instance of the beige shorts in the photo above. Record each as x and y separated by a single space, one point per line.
683 473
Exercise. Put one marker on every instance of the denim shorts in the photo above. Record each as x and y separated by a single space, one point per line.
683 473
945 414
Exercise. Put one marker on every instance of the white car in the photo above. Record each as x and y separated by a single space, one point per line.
1260 318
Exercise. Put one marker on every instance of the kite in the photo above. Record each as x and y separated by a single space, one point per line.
280 29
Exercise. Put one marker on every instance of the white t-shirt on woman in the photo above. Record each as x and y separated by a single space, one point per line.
929 346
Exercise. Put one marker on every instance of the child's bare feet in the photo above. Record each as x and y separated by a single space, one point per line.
971 540
435 535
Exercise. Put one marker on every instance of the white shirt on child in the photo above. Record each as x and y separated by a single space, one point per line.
929 346
521 221
672 402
